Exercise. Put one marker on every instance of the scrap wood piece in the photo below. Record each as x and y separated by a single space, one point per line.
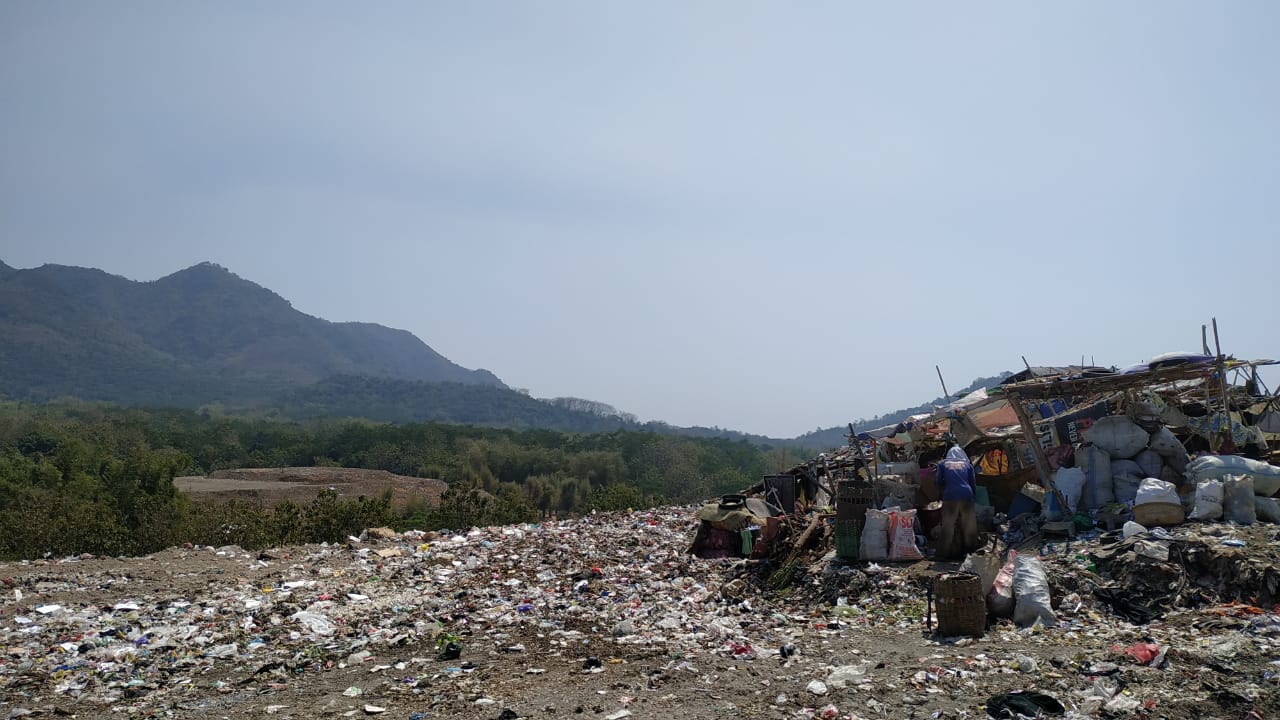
804 538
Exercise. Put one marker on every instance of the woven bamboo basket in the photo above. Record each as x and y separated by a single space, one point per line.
962 610
1159 513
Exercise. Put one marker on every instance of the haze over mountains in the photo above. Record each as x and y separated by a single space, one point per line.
205 336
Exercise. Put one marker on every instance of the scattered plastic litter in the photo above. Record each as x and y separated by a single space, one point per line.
625 619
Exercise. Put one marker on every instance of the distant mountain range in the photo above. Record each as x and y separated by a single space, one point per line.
197 336
204 336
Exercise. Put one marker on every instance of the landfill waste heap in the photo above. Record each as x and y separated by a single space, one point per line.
609 616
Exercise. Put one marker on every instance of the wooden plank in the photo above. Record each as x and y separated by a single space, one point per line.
804 538
1046 388
1032 440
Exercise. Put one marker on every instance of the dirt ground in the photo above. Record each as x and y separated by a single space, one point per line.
534 606
270 486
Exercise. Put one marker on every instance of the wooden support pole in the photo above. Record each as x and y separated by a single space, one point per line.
1029 433
1222 379
1042 461
945 394
1208 408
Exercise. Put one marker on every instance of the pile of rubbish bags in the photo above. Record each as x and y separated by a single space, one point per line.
1120 454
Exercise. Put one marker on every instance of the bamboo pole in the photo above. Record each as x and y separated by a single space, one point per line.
1222 380
1042 461
945 394
1029 434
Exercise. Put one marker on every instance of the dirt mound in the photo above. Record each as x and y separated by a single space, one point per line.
271 486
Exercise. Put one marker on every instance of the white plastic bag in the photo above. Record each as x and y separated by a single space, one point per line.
1267 509
1208 500
1237 500
1132 528
1155 490
1118 436
847 676
985 565
1165 443
1125 467
1125 477
1208 467
1099 488
1150 462
875 536
1070 482
1031 593
315 622
902 536
1126 488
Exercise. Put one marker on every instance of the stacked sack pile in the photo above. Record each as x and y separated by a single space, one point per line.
1121 453
1234 489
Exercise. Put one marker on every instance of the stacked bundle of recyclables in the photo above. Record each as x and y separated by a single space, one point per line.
1122 457
1121 454
1266 478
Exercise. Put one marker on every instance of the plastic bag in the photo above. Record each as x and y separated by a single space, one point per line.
985 565
1132 528
1099 488
1208 500
1000 598
1125 467
875 536
1118 436
1150 462
846 676
1209 467
903 536
1266 509
1031 593
1125 477
1237 500
1165 443
315 622
1070 482
1154 490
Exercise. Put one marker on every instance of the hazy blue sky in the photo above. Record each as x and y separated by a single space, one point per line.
766 216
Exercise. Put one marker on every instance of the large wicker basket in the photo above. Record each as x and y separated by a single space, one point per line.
962 610
852 500
1159 513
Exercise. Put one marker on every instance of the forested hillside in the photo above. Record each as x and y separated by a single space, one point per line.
198 336
77 477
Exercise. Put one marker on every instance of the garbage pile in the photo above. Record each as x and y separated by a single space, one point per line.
609 616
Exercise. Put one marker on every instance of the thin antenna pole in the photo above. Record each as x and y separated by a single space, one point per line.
945 394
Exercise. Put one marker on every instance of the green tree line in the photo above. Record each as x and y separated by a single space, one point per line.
81 477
